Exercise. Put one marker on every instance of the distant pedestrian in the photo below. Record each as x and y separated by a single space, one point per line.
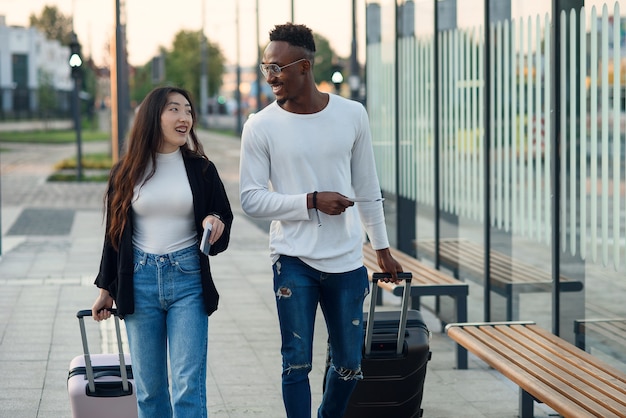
305 160
161 195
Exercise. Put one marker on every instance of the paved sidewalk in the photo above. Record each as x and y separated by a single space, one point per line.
51 240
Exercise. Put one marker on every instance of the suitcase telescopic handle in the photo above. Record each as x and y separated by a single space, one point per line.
88 367
404 312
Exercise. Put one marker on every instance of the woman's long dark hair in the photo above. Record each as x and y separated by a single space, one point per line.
143 143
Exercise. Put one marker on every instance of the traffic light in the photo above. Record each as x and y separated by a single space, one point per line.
76 60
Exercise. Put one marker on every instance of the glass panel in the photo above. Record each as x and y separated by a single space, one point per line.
419 123
461 145
521 184
593 214
380 84
509 144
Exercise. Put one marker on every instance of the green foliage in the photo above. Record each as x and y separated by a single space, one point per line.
183 66
98 161
71 176
46 94
56 26
141 83
89 84
53 137
325 58
53 24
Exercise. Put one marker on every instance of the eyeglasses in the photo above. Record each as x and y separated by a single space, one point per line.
266 69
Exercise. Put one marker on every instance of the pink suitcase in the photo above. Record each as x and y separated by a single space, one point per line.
101 385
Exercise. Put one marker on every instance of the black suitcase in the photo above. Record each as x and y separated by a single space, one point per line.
396 352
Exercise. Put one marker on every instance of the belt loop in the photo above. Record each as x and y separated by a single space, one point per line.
142 256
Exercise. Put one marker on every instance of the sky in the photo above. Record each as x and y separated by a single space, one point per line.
153 23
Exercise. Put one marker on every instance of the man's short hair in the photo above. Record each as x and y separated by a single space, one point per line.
295 35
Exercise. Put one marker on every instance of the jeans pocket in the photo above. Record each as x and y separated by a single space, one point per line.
138 266
190 264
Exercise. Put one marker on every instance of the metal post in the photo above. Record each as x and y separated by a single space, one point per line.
355 79
436 138
118 79
204 102
238 91
75 62
555 163
487 161
0 210
259 105
77 127
119 87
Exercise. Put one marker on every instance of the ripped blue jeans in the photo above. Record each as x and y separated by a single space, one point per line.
299 288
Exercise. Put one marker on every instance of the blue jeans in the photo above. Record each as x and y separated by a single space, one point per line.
169 314
299 288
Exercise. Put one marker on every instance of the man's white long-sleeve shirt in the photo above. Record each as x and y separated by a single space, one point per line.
286 155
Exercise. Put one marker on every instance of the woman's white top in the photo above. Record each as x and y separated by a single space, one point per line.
163 208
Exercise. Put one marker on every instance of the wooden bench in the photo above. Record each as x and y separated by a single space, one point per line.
546 368
427 281
509 276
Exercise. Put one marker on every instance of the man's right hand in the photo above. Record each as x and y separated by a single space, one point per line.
333 203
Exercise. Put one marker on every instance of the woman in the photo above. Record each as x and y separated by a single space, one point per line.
161 195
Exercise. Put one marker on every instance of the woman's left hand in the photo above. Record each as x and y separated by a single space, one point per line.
217 227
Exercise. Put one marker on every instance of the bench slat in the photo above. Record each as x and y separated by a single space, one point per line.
534 365
510 370
577 373
562 346
547 367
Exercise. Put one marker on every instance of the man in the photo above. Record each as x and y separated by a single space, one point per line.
305 160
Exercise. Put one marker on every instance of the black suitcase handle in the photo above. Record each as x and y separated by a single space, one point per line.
88 367
406 276
87 312
403 275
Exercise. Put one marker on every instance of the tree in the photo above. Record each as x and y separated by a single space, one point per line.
56 26
325 59
183 63
53 24
182 67
46 95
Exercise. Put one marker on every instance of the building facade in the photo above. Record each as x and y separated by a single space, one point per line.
499 131
32 68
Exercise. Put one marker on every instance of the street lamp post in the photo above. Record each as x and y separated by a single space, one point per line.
76 63
337 78
204 101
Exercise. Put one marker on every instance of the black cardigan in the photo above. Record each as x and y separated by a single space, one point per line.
209 196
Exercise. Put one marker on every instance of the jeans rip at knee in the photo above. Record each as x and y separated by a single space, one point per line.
348 374
303 368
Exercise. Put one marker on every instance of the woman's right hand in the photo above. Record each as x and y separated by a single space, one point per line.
100 308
